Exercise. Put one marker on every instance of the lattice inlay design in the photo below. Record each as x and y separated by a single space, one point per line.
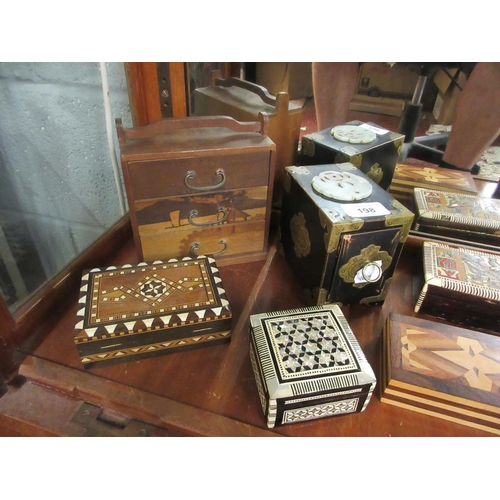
308 343
154 289
320 411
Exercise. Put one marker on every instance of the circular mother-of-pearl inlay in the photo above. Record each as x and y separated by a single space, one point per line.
341 186
353 134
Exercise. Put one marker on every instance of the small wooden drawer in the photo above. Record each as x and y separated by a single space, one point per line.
241 205
197 174
226 240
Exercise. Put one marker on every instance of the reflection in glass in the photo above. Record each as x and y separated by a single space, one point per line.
57 187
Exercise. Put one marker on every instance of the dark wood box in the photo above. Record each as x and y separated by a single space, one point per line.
461 285
245 101
308 365
462 216
442 371
133 312
377 159
199 186
329 244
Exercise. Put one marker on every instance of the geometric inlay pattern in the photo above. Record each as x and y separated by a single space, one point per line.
466 361
308 343
324 410
154 347
302 358
153 289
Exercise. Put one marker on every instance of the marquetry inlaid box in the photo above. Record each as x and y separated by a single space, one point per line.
308 365
440 370
461 285
199 186
462 216
131 312
343 244
407 177
371 148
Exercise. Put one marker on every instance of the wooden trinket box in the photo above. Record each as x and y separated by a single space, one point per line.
441 370
461 285
408 177
341 250
462 216
370 148
199 186
133 312
245 101
308 365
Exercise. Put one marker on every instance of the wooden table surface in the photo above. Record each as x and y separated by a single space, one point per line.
211 391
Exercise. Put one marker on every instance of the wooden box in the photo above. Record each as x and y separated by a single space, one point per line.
308 364
341 251
441 370
462 216
199 186
245 101
132 312
370 148
408 177
461 285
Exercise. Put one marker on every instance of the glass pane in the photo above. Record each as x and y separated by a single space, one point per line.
58 187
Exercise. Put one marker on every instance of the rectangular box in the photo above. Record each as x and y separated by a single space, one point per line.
462 216
441 370
461 285
199 186
132 312
408 177
308 364
376 158
341 251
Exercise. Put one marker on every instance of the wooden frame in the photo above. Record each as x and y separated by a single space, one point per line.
144 91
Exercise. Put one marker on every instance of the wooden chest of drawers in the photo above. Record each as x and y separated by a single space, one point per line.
199 186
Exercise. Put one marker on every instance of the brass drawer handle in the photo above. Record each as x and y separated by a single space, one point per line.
194 213
196 246
191 174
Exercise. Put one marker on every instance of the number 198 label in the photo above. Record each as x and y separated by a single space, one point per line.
372 209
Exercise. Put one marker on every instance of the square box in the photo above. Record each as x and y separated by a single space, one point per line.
376 156
132 312
462 216
461 285
441 370
341 251
308 365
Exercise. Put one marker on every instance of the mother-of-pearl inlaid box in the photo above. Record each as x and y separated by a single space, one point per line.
308 365
132 312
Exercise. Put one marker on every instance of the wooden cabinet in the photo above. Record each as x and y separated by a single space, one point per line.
199 186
